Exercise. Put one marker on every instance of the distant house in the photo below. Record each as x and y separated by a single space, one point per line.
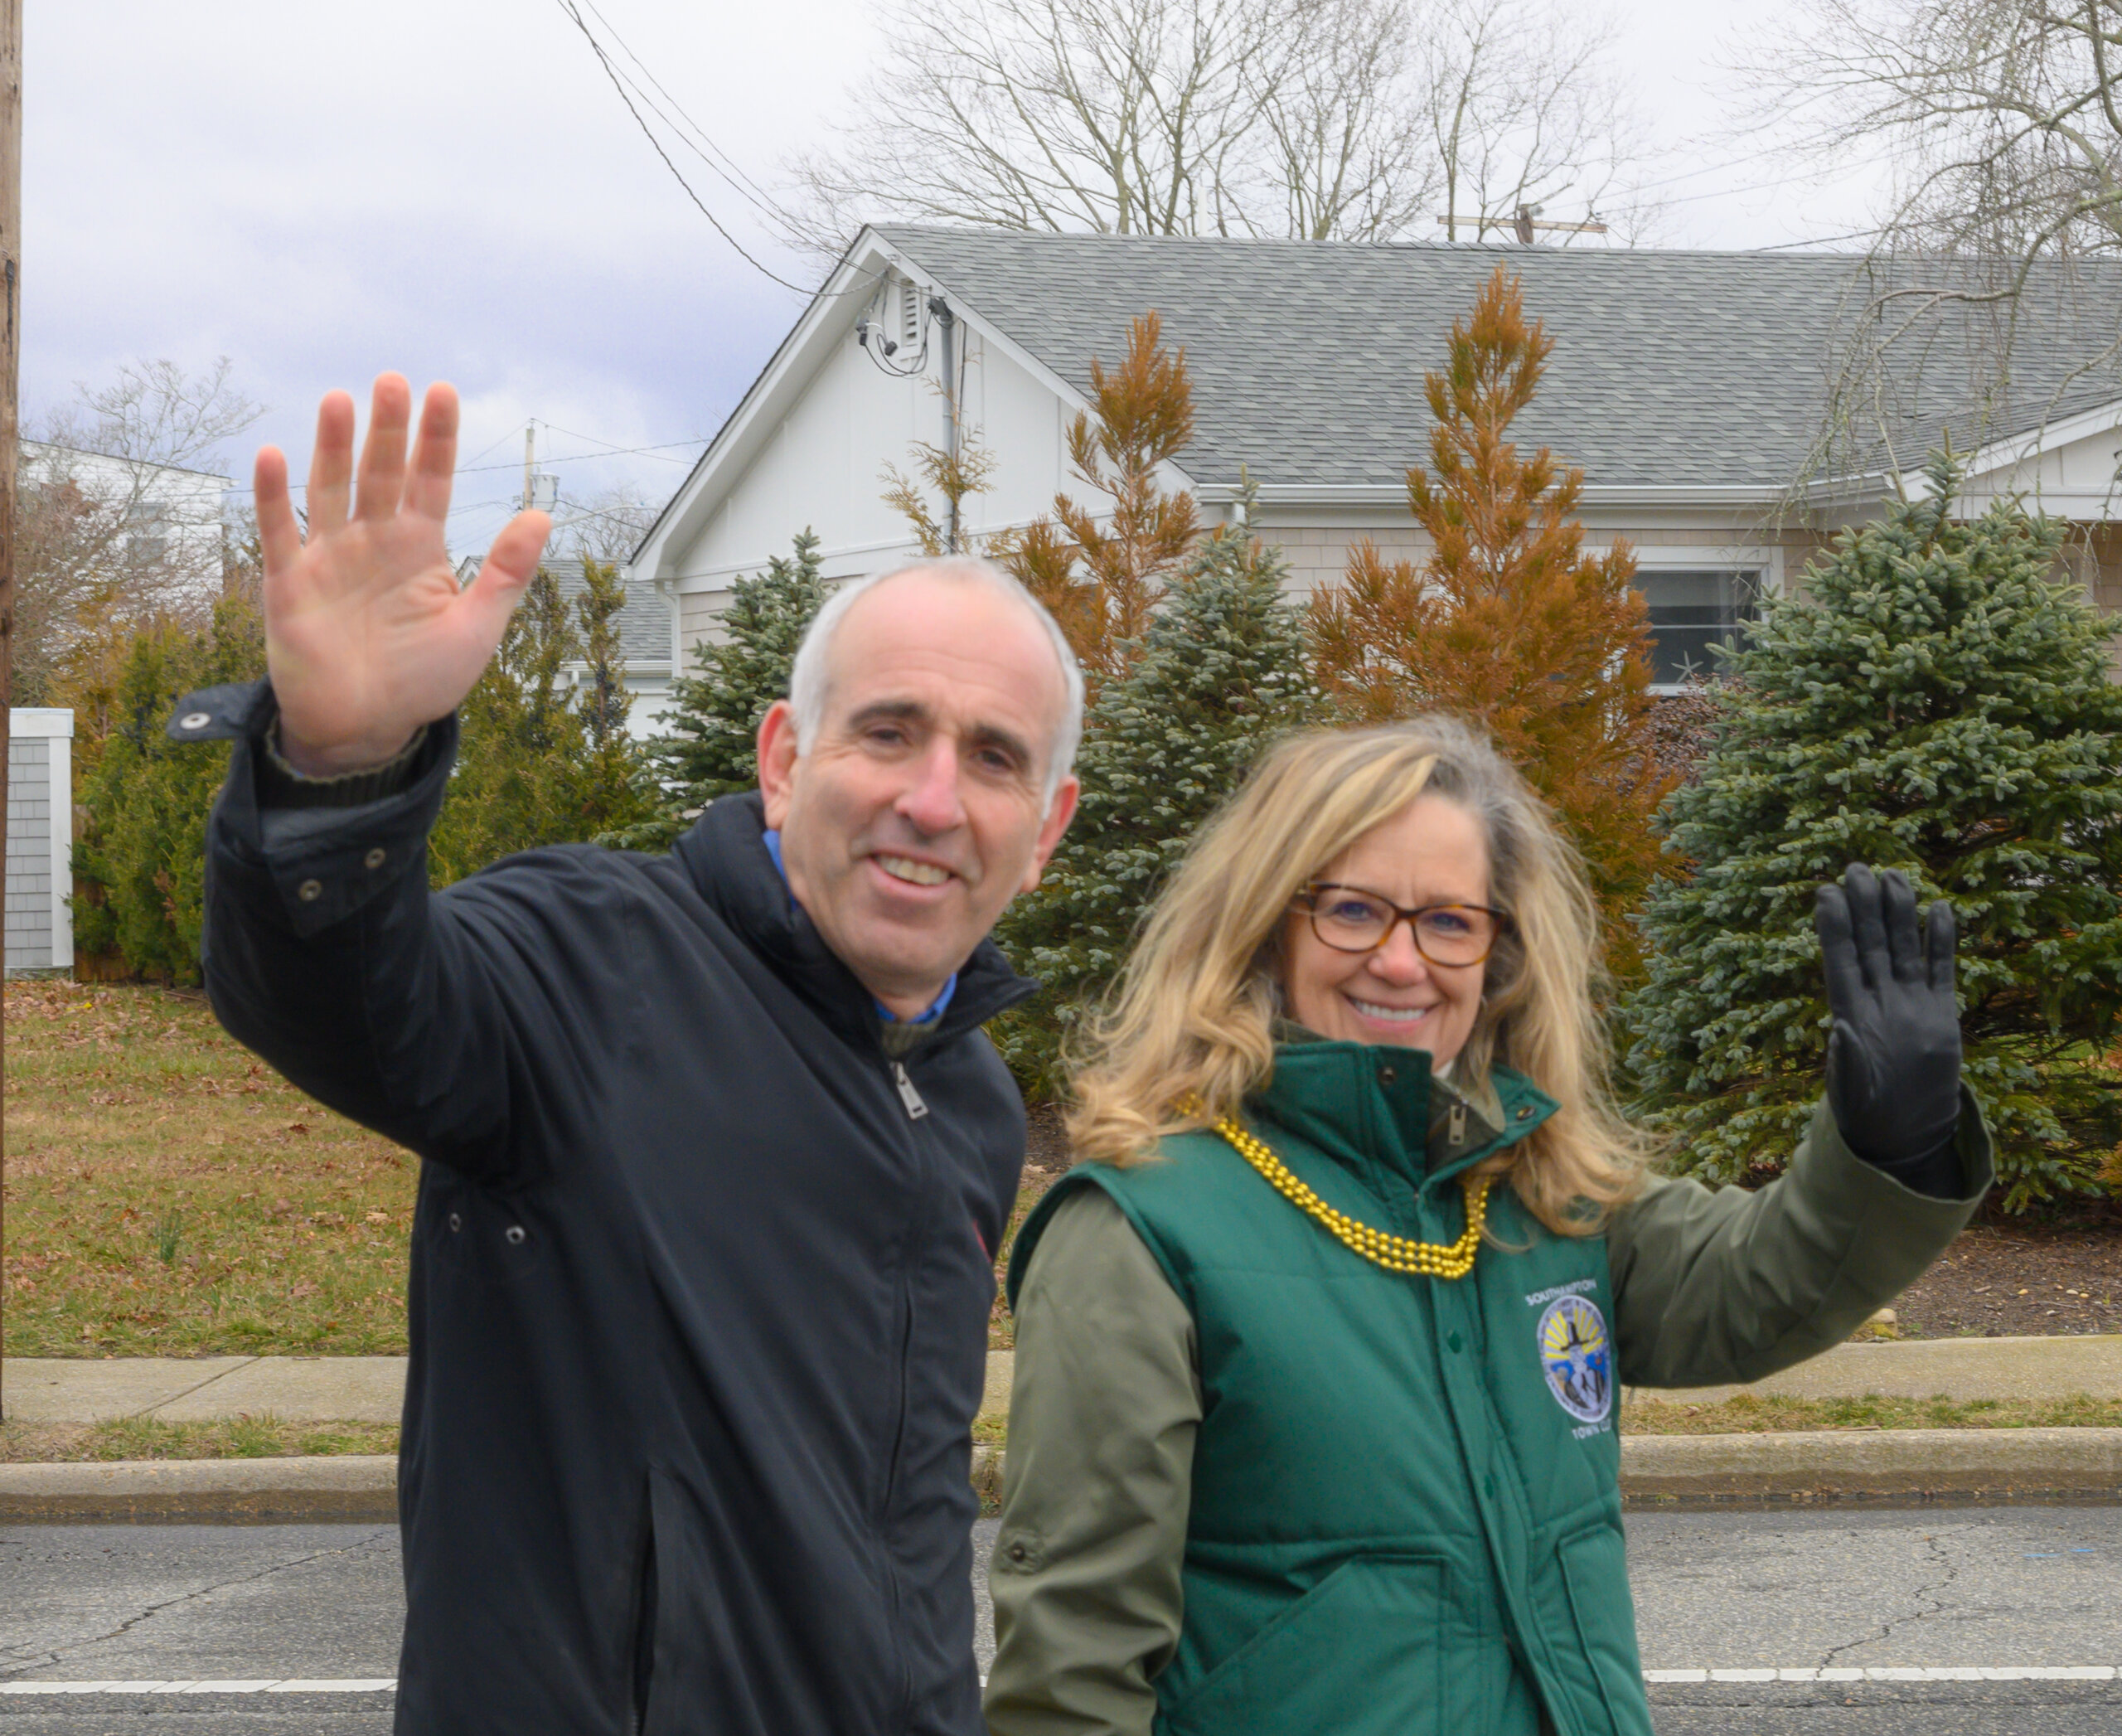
645 639
1690 386
171 516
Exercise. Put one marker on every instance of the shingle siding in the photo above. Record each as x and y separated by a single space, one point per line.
37 925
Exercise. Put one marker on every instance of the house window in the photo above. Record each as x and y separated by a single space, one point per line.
1690 612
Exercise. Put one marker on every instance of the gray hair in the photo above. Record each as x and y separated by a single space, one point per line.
807 680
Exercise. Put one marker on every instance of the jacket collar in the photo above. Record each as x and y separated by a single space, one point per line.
725 857
1375 1106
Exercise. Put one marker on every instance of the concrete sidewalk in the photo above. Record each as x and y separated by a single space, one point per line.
371 1389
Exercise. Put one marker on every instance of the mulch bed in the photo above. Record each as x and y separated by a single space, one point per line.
1998 1282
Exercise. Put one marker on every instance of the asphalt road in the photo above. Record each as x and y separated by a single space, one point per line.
315 1609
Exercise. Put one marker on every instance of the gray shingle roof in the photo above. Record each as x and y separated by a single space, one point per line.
644 620
1669 368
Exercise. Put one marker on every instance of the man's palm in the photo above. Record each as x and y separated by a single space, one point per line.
367 634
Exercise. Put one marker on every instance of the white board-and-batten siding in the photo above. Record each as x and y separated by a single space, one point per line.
822 469
40 921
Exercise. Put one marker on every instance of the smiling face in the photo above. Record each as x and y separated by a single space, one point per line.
919 810
1433 851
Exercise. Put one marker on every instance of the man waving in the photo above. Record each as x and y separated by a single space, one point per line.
715 1155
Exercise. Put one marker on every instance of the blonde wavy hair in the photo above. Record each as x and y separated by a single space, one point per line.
1190 1020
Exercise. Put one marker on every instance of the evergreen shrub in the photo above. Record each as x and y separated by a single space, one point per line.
1217 675
140 863
1936 701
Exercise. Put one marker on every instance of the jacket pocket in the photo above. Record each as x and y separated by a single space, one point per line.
1357 1654
1595 1570
488 1240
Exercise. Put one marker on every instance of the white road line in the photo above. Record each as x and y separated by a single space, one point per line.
1879 1673
1873 1673
294 1685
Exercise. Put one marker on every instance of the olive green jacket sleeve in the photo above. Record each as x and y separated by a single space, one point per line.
1712 1286
1103 1408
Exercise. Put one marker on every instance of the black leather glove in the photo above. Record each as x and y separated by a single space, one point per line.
1893 1056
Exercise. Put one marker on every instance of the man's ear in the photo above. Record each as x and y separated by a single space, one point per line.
777 755
1057 817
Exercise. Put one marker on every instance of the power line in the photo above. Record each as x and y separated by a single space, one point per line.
572 458
763 200
619 84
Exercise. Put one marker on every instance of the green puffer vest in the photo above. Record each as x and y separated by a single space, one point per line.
1405 1511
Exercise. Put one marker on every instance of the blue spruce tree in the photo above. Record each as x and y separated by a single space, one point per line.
1937 703
1221 671
711 749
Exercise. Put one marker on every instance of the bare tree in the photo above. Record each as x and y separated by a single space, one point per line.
1339 151
102 547
607 526
155 413
1061 115
2000 122
1313 118
1526 115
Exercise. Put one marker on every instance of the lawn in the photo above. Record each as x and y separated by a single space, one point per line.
168 1196
144 1437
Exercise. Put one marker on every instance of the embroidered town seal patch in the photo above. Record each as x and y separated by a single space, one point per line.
1576 1354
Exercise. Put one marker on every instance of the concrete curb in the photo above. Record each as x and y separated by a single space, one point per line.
1896 1465
1901 1467
360 1487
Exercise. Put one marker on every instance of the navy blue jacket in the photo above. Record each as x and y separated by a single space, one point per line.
700 1284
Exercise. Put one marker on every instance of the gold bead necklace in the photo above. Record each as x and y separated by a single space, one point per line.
1395 1253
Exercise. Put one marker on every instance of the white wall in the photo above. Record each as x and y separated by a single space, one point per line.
40 921
180 510
822 468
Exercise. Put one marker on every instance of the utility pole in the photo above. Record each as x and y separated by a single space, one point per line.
530 459
1522 224
11 306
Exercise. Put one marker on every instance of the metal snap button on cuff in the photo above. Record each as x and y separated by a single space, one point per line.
514 1235
456 1221
1525 1113
195 719
309 891
375 858
1386 1075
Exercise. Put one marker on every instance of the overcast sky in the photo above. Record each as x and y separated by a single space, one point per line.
451 187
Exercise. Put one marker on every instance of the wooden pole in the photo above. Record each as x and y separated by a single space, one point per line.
11 446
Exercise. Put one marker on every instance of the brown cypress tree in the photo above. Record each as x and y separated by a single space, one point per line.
1102 567
1509 623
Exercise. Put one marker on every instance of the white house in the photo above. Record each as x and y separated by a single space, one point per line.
645 640
1690 387
172 516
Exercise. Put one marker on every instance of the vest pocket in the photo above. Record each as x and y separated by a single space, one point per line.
1595 1569
1356 1654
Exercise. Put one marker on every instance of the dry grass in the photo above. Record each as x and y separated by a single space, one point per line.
143 1438
168 1196
1747 1414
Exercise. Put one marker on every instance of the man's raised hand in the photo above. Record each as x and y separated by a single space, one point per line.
368 635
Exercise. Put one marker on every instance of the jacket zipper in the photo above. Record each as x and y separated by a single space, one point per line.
915 1108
